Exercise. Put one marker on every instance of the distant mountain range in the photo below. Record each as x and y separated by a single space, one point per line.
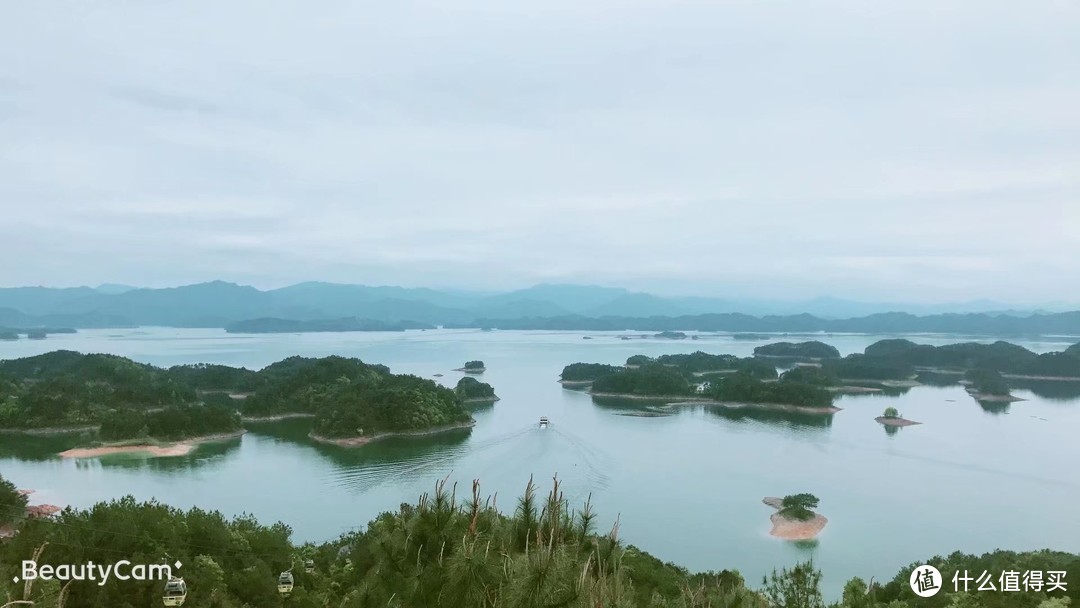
317 306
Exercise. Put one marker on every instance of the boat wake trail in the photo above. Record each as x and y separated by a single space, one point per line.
368 476
595 462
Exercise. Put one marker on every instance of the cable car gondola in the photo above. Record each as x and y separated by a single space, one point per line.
285 583
309 566
175 592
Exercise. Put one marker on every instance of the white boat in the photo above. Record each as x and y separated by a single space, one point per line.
543 422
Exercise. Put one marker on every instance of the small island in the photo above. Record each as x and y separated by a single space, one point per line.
671 335
8 335
471 390
703 379
892 418
988 386
794 518
36 334
472 367
812 350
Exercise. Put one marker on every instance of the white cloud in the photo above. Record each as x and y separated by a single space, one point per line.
783 149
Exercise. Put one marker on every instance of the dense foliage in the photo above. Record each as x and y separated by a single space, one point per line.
999 356
639 360
65 388
987 382
815 376
211 377
452 553
798 506
583 372
742 387
474 365
469 388
653 379
304 384
12 502
441 551
171 423
801 350
700 361
385 403
891 412
132 400
866 367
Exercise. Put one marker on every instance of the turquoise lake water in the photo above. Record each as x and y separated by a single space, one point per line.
685 487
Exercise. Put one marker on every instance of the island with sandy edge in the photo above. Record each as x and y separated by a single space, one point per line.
179 448
793 529
362 440
895 421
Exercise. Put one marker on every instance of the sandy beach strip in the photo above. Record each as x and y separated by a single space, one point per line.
895 421
180 448
276 417
355 442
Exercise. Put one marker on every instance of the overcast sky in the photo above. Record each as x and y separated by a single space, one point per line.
901 151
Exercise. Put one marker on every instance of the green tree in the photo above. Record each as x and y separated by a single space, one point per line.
799 587
12 502
798 506
891 412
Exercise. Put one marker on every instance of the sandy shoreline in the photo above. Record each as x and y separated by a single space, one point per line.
953 372
355 442
491 399
853 390
475 370
993 398
575 382
793 529
896 421
677 400
276 417
681 398
179 448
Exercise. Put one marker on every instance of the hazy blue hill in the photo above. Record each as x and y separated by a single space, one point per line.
203 304
515 309
637 305
42 300
577 299
980 324
546 306
10 317
114 288
333 297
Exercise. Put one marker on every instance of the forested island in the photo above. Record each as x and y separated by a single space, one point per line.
795 518
271 325
891 365
34 333
447 550
700 377
812 350
124 401
472 367
471 390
